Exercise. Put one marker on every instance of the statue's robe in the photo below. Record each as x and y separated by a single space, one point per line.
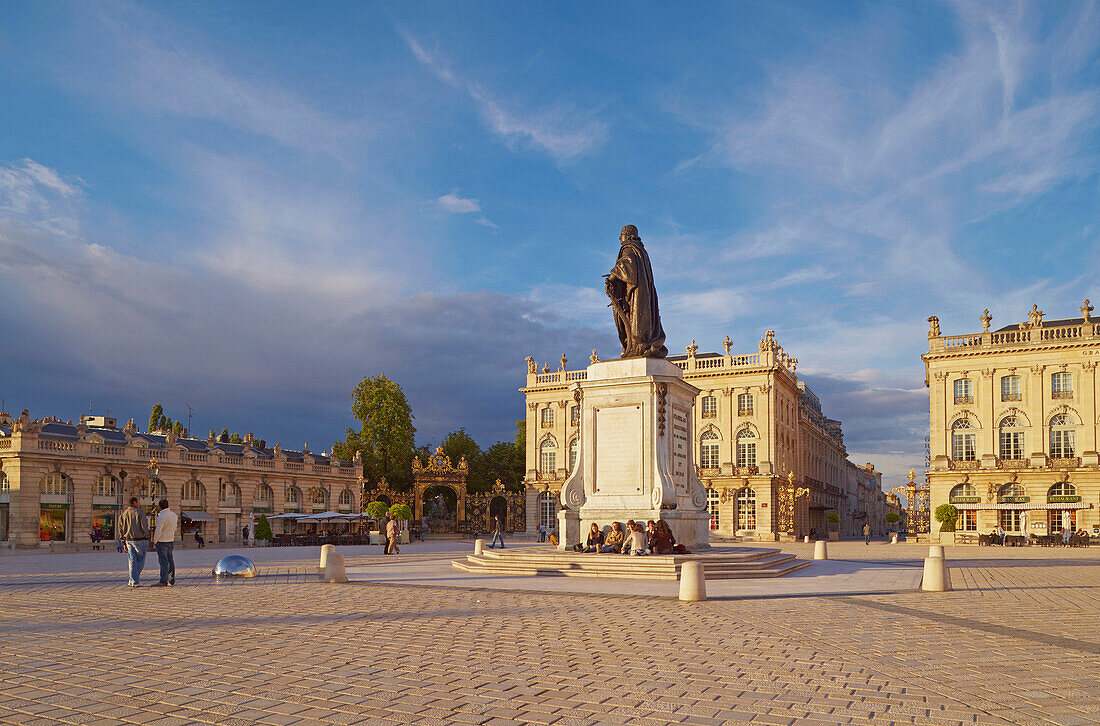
636 316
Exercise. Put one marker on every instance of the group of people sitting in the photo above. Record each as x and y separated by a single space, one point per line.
655 538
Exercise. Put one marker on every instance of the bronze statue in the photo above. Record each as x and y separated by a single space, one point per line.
634 300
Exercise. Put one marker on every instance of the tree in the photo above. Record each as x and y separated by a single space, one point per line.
154 417
401 512
178 428
166 426
504 461
235 438
386 438
833 517
946 515
521 436
892 517
211 434
263 528
376 510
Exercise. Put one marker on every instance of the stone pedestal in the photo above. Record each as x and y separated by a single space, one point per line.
635 459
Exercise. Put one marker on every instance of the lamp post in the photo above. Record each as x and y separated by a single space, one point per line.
154 471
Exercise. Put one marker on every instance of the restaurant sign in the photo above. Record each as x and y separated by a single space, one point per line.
1063 499
966 500
54 505
1013 500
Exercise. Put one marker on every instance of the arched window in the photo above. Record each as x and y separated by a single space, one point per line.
963 441
264 496
345 498
229 494
105 486
710 406
574 448
1063 437
746 450
708 450
193 493
548 510
320 496
1062 489
548 455
4 484
964 491
1012 438
712 507
1012 489
964 391
55 485
746 508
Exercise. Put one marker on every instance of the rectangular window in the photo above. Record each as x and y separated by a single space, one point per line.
746 454
1062 443
547 462
1010 520
1012 444
744 404
1061 385
708 456
710 406
1054 521
963 447
964 391
1010 388
575 415
547 417
968 521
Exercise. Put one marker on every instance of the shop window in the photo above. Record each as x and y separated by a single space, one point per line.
1058 519
968 520
746 508
1010 520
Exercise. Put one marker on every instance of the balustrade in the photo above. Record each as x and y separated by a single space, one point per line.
48 445
105 450
1064 462
963 464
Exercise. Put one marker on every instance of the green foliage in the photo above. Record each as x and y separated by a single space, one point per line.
166 424
235 438
503 461
947 515
155 416
178 428
401 512
386 436
375 510
211 435
225 433
521 437
833 517
892 517
263 528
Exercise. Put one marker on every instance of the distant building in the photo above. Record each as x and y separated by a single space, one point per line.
59 482
1013 424
755 425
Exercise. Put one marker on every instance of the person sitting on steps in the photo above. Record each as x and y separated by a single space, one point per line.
638 541
595 538
613 542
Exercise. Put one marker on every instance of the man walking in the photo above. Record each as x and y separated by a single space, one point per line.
383 532
393 534
498 536
866 533
133 530
164 539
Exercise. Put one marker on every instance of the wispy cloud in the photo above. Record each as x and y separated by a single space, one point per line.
455 204
561 130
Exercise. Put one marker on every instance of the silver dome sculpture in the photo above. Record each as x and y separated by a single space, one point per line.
234 566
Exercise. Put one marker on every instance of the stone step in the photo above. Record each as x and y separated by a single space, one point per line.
521 571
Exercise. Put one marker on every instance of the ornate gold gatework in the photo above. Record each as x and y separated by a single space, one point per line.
439 472
480 509
382 492
917 503
788 495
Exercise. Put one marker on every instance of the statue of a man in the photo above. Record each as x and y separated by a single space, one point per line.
634 300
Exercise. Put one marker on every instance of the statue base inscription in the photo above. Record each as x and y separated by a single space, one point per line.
635 456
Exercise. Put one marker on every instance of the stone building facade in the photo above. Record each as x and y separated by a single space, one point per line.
770 460
60 481
1013 423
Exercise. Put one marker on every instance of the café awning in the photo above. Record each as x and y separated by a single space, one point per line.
196 515
1027 506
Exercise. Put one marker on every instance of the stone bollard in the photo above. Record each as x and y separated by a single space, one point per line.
821 552
479 546
935 577
326 550
806 539
693 582
935 551
334 568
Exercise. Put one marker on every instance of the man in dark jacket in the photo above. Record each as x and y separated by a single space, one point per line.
133 530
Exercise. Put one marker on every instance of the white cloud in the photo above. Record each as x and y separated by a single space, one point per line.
458 205
559 129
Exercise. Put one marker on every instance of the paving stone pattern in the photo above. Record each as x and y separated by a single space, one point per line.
1020 645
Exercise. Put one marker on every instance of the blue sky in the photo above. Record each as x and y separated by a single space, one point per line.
247 208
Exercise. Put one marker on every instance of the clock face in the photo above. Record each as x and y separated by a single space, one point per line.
439 461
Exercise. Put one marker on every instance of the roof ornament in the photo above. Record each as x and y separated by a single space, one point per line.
532 366
1085 310
933 327
691 349
1035 316
986 319
564 360
594 358
727 344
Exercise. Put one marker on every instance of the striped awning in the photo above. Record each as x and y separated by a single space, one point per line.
1030 506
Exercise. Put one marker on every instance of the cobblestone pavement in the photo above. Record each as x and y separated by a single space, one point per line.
1018 645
